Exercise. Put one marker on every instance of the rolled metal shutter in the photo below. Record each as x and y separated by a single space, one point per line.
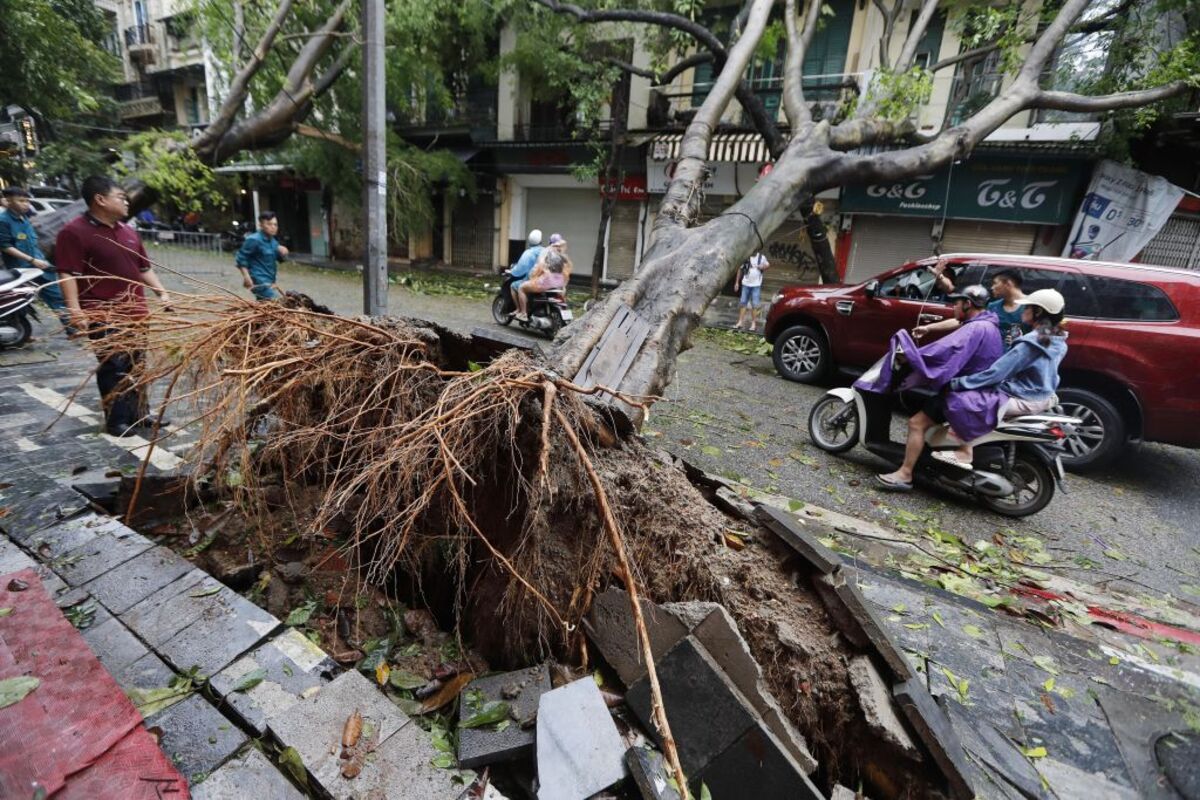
622 239
473 234
1176 245
880 243
575 213
971 236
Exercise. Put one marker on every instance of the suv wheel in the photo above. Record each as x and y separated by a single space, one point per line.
1100 438
801 354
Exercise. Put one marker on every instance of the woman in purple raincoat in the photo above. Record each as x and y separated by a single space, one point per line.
1023 381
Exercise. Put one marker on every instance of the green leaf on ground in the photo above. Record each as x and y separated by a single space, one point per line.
205 592
1048 685
973 631
290 760
938 619
4 612
795 505
961 685
709 450
489 714
250 680
1035 752
301 613
403 679
1115 554
151 701
1046 663
14 690
443 761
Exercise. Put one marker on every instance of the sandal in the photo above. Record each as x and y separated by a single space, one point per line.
948 457
892 485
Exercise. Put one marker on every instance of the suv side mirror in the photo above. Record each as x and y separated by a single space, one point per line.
871 289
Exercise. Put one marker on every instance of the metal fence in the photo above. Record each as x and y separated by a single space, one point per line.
190 253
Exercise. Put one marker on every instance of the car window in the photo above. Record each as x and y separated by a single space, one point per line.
1078 295
920 283
1120 299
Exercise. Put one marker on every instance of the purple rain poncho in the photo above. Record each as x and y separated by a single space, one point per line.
973 347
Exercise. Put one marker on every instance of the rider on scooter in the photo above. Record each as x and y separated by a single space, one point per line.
520 271
972 348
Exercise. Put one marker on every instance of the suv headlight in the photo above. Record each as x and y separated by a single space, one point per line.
778 296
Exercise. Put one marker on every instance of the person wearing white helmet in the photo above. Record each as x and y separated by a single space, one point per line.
1022 381
520 270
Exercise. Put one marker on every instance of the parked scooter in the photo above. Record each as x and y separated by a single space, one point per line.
548 311
18 289
1015 468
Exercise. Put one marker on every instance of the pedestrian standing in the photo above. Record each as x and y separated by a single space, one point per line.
19 245
749 282
104 271
259 256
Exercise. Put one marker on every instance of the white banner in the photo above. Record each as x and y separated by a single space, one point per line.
1122 211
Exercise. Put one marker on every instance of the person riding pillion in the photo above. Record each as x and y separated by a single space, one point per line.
259 256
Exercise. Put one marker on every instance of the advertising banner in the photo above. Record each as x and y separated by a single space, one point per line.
1121 212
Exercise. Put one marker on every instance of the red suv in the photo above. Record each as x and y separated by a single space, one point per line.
1132 370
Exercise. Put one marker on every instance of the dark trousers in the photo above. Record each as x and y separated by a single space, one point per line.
123 405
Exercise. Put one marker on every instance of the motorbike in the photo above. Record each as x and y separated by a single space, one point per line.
548 311
1015 469
18 290
234 235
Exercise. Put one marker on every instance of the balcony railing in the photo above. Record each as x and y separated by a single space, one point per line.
139 35
473 110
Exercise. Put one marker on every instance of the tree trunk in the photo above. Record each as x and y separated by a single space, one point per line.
613 174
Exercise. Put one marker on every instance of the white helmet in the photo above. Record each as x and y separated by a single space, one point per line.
534 238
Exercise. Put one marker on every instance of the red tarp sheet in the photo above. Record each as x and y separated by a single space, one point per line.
77 735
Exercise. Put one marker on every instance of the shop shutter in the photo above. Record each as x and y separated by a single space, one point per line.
473 233
575 213
1176 245
880 243
622 239
969 236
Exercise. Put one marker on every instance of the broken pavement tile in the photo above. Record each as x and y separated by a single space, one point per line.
1068 782
195 736
878 707
935 731
997 752
650 774
610 627
862 618
757 765
100 555
799 536
579 750
1139 724
122 588
522 689
250 775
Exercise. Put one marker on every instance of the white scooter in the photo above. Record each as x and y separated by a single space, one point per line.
1015 467
18 290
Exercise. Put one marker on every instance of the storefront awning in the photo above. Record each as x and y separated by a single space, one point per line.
726 147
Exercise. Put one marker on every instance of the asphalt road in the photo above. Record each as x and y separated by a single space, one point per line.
730 413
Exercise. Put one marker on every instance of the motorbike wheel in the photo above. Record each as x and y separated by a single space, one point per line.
24 330
498 311
833 424
556 323
1035 488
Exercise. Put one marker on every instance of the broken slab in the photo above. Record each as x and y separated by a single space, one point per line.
936 733
579 750
799 535
758 766
122 588
875 700
522 690
609 626
195 736
100 555
248 775
650 774
851 612
291 664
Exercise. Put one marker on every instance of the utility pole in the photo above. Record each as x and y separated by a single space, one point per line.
375 275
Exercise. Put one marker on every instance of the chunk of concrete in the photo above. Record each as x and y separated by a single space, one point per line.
855 613
579 750
610 627
936 733
650 774
875 700
248 775
798 535
758 766
521 690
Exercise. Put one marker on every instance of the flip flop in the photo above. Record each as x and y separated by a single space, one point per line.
947 457
893 486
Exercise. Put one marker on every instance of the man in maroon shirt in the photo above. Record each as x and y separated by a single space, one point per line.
104 270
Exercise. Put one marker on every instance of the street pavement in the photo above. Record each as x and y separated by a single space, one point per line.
1135 524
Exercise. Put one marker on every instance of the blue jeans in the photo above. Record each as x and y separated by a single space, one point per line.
51 292
751 296
264 288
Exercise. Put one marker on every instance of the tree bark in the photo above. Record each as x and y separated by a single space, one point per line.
613 174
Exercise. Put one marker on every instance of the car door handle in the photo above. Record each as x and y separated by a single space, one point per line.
925 319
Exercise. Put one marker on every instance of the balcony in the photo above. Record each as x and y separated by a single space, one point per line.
139 42
137 100
473 112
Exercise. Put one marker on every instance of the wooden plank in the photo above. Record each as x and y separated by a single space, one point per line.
614 354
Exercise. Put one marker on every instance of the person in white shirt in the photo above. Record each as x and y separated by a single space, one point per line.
749 282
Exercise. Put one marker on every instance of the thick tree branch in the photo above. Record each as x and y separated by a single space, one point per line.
1043 48
889 27
631 69
863 132
1069 101
694 60
793 77
965 55
327 78
908 52
329 136
314 50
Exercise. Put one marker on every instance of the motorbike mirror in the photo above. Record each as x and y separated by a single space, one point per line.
871 289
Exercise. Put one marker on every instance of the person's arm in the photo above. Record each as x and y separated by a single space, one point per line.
242 259
68 257
948 324
150 278
282 253
8 244
1021 356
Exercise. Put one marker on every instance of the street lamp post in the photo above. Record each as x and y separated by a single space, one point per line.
375 277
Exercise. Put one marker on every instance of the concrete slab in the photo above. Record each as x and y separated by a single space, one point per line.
936 733
98 556
757 765
196 736
1139 724
579 750
853 604
400 767
801 536
13 558
114 645
46 508
58 540
522 689
293 664
875 700
1068 782
996 752
148 672
228 625
610 627
249 775
122 588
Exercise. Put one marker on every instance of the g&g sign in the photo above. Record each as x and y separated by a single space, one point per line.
994 188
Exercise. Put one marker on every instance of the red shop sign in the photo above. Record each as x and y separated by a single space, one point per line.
633 187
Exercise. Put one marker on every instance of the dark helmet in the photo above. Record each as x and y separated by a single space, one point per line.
975 295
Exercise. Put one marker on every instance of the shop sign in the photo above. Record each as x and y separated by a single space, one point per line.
633 187
997 189
725 177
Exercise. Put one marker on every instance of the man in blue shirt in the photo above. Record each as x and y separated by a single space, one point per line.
520 270
259 257
19 246
1006 288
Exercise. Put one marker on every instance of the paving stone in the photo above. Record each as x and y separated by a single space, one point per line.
113 644
875 700
579 750
20 484
47 508
148 672
250 775
706 712
168 611
1139 724
122 588
195 736
995 750
58 540
733 504
1071 693
1179 755
13 558
650 774
1068 782
757 765
869 625
609 625
400 767
1021 639
1083 742
314 727
293 664
798 534
521 690
228 625
935 731
100 555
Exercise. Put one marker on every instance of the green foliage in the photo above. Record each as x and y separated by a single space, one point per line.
164 162
70 158
895 96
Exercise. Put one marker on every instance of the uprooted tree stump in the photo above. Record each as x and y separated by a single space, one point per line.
501 488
